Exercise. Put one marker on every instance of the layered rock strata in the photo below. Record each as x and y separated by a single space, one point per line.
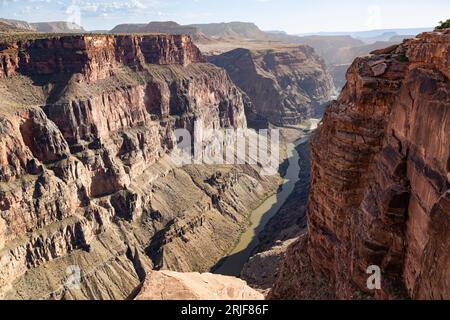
380 181
90 201
162 27
286 85
168 285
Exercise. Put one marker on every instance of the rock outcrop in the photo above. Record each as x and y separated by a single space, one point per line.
168 285
89 199
93 57
262 269
286 86
8 28
380 181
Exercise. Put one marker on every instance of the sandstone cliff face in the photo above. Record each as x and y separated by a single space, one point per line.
285 86
380 181
85 125
94 57
167 285
244 30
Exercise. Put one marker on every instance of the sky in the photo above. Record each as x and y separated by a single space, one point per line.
292 16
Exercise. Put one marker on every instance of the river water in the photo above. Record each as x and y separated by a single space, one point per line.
234 263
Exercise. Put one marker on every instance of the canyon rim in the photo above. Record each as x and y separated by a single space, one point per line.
315 166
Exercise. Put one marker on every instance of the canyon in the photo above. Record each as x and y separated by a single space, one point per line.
88 187
162 27
380 182
86 180
337 50
17 25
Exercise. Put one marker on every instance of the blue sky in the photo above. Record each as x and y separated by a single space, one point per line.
293 16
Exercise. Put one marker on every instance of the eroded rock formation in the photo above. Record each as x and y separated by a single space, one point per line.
285 86
87 190
380 181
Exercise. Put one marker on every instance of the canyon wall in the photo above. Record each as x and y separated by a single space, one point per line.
380 182
94 57
340 51
87 189
285 85
58 27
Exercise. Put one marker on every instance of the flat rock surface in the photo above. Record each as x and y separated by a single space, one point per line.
168 285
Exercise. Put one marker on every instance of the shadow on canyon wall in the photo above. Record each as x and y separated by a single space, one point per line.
296 171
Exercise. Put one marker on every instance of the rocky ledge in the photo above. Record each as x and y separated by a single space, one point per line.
169 285
380 182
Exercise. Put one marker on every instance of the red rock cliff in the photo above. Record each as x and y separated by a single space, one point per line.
380 181
85 123
94 56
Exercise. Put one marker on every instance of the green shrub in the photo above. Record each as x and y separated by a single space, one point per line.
443 25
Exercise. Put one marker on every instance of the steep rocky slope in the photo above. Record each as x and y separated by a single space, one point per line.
380 181
285 85
340 51
86 185
290 221
262 269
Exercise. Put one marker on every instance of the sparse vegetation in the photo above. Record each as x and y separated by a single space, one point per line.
403 57
401 54
443 25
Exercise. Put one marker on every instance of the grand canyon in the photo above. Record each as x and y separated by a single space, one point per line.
93 206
